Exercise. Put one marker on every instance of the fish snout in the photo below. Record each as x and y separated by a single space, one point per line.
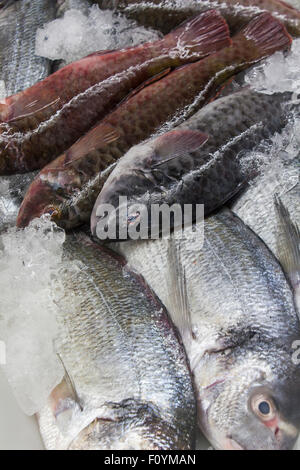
39 200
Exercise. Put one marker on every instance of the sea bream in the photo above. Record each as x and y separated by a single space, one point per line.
166 14
127 383
68 187
234 308
46 119
19 21
203 161
255 206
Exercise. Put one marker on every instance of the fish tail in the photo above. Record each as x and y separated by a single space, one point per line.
200 36
289 246
265 35
4 111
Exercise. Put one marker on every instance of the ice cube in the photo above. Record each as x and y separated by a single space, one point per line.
31 262
279 73
78 34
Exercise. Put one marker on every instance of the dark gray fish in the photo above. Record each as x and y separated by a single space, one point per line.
234 308
166 14
19 21
127 383
203 161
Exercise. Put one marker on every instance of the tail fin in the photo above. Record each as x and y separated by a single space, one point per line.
200 36
4 111
267 34
289 248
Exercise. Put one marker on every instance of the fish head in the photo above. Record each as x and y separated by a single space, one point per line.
120 206
42 198
128 220
128 425
248 405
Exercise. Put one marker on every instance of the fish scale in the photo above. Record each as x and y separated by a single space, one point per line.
165 14
238 328
209 175
20 67
46 119
119 346
146 112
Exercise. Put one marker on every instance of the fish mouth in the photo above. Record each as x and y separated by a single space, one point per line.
232 444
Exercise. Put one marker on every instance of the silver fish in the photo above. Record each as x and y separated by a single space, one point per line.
203 161
232 303
19 21
255 206
127 383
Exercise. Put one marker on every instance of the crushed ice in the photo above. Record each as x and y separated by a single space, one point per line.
78 34
277 74
31 286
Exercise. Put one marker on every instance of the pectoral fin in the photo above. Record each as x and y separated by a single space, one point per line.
64 401
33 109
176 144
97 138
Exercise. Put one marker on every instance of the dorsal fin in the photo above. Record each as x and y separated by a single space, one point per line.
146 83
288 244
177 289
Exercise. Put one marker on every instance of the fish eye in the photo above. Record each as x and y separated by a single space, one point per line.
132 218
52 211
263 407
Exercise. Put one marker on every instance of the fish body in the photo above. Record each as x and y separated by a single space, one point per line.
127 382
69 186
234 309
256 205
20 67
46 119
165 14
169 170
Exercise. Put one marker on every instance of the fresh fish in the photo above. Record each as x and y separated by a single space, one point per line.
132 387
56 112
233 306
19 21
69 186
166 14
201 162
256 205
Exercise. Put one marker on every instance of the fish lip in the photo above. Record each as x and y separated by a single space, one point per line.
233 444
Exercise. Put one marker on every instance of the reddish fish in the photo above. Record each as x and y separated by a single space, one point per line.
68 187
166 14
79 95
